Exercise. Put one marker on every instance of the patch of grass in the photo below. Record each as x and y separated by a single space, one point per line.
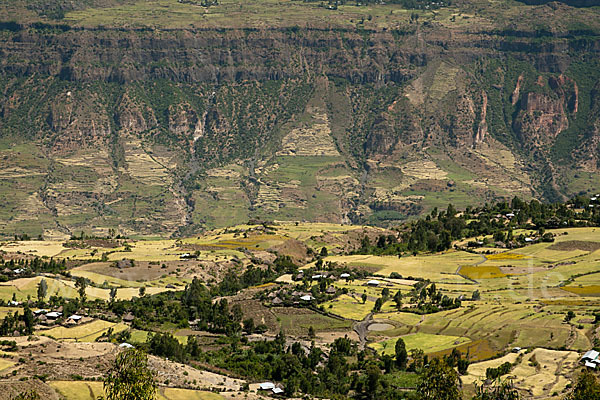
401 379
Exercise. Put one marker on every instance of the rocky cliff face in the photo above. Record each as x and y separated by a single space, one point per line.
150 127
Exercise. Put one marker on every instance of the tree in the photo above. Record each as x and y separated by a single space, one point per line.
248 325
499 390
401 354
324 251
42 290
570 315
142 291
462 365
130 378
398 300
364 298
418 360
378 304
28 319
438 381
373 377
587 387
113 294
81 284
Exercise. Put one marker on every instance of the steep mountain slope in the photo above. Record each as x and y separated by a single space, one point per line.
157 130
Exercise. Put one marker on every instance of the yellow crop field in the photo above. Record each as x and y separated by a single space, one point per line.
5 310
78 390
149 250
99 279
403 318
4 364
440 268
50 248
86 390
186 394
542 380
83 333
482 272
28 287
590 290
349 307
427 342
505 256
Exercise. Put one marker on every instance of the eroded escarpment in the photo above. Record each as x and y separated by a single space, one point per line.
151 129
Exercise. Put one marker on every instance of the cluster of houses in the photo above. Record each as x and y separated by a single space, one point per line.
45 317
275 389
321 275
304 297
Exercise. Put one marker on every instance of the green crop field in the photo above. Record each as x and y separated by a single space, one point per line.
349 307
427 342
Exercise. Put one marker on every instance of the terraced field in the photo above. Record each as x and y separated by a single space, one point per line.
87 332
523 300
525 294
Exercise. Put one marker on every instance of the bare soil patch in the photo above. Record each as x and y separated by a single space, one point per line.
571 245
293 248
380 327
9 389
147 270
63 360
351 239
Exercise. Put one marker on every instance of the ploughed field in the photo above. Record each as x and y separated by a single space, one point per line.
523 297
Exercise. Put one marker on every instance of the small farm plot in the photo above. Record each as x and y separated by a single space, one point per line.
24 287
481 272
543 372
38 248
349 307
437 268
297 321
87 390
427 342
83 333
584 290
476 371
78 390
502 325
187 394
149 250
